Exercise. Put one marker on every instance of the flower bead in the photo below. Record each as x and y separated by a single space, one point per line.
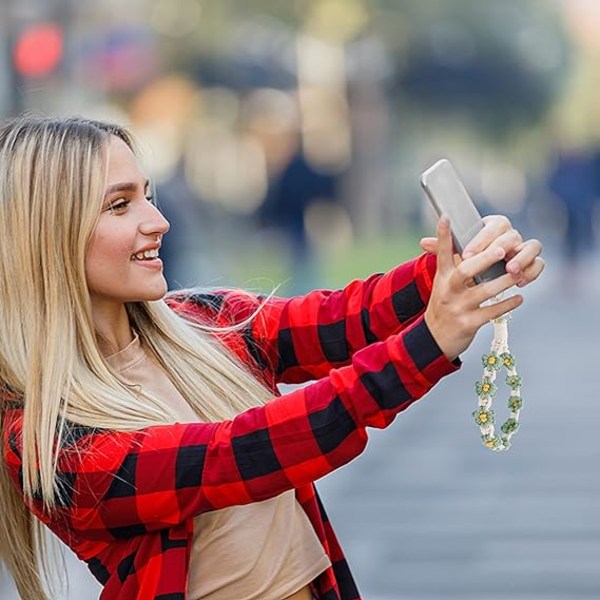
484 417
515 403
510 426
485 387
492 361
514 382
488 441
493 442
508 360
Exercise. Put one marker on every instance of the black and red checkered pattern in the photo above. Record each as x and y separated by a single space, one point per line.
127 499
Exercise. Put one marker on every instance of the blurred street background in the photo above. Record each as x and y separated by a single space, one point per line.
285 141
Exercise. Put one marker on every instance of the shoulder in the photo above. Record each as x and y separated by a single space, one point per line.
71 436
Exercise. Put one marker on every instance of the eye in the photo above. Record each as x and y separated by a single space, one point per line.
150 194
119 205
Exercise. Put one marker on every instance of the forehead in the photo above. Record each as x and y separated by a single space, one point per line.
122 165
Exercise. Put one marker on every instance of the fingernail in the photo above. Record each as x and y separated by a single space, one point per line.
500 252
467 254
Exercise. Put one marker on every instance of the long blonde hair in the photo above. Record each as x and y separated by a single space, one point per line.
52 180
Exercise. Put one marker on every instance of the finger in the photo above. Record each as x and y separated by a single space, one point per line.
532 272
493 227
475 265
483 292
445 246
510 241
429 244
524 257
493 311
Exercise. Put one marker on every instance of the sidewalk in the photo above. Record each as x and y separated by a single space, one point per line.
427 513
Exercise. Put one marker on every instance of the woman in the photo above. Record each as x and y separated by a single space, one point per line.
146 431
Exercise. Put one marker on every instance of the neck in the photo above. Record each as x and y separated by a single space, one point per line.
113 329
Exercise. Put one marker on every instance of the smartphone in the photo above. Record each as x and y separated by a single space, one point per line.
449 197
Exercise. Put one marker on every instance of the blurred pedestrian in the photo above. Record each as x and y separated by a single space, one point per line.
574 181
291 193
145 429
298 180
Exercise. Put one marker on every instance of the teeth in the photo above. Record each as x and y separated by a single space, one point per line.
145 255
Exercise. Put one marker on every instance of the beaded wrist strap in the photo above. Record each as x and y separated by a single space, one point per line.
498 358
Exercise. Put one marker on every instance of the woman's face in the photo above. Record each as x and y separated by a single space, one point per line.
122 263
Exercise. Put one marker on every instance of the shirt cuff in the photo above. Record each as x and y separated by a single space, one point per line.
430 363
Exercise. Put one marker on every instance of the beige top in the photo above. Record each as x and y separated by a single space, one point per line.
266 550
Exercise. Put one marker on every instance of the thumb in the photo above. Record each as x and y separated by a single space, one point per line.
429 244
445 251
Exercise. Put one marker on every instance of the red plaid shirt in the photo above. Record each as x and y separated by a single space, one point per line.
127 500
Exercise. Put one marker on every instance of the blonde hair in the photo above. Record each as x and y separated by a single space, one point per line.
52 181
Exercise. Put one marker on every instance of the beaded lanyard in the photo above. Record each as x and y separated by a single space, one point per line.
498 358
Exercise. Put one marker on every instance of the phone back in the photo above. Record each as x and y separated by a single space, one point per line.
450 198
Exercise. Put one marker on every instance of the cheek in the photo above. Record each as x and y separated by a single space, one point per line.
106 250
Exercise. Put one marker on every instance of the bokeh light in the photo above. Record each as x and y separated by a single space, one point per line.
38 50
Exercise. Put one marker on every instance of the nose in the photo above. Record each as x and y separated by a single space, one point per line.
154 222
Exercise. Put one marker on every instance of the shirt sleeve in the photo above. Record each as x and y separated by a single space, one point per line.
308 335
302 338
115 485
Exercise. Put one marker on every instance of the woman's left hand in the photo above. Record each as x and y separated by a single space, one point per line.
522 258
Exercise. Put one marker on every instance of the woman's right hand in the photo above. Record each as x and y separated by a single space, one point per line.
454 313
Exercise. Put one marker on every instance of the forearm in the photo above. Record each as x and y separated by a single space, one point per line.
322 330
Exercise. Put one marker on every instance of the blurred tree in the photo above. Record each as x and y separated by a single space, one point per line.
500 62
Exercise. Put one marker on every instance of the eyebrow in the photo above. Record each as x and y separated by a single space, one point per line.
126 186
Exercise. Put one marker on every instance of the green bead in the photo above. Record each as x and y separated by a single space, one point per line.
508 360
515 403
486 387
492 361
514 382
484 417
510 426
493 442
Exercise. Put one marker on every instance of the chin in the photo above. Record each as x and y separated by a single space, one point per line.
156 290
150 295
158 295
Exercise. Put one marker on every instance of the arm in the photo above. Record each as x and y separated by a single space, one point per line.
302 338
120 484
311 334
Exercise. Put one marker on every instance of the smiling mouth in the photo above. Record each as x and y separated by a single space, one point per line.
147 255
